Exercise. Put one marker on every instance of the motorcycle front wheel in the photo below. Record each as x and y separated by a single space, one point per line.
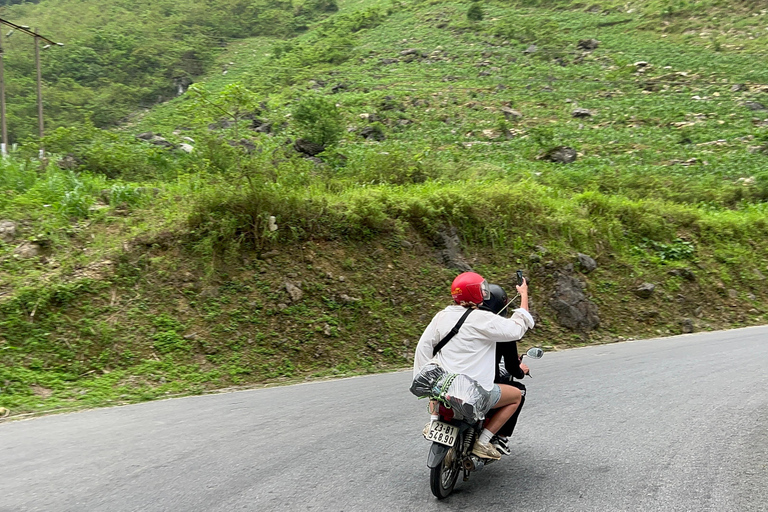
444 476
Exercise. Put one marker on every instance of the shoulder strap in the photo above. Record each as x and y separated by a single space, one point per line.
451 334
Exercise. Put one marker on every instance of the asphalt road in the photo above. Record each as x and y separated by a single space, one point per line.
674 424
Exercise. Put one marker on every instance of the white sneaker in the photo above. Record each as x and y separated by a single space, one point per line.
485 451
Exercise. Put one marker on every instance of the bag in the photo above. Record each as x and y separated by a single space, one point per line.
468 399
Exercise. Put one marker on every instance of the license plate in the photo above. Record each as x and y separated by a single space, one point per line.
442 433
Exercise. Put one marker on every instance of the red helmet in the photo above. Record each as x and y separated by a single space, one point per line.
470 287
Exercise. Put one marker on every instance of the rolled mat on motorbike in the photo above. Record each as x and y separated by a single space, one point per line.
462 394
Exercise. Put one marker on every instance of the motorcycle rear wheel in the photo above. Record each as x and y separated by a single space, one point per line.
443 478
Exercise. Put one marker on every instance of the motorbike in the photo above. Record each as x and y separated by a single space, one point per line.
451 451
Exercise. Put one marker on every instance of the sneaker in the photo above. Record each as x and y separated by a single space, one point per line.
501 444
485 451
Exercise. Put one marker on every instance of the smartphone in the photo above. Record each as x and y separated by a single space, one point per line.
519 277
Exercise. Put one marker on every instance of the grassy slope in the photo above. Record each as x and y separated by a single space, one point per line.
133 312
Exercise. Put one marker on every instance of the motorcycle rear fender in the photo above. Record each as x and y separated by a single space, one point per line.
436 455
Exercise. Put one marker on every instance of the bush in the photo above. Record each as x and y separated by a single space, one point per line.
475 12
318 120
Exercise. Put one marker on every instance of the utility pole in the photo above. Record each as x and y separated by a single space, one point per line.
40 124
4 144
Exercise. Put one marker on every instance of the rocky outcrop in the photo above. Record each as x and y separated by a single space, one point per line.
451 252
574 310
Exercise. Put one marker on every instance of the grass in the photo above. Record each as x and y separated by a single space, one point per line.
176 283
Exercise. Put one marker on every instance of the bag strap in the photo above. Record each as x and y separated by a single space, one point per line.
451 334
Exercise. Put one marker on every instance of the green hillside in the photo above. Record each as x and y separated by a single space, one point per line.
299 210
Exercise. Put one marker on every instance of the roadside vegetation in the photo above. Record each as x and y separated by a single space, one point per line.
282 218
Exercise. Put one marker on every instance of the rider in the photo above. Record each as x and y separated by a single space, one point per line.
472 350
508 366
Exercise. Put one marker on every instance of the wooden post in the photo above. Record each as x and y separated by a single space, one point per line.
39 96
4 144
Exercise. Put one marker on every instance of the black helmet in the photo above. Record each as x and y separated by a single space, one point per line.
496 302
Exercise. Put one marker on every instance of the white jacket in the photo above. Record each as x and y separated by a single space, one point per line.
473 350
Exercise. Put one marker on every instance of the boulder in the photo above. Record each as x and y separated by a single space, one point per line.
645 290
451 253
581 112
560 154
684 273
373 132
294 291
511 114
587 263
587 44
7 230
686 325
27 250
574 310
307 147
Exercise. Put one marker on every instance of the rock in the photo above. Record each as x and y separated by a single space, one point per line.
684 273
373 132
4 412
560 154
451 253
308 147
294 291
338 88
686 325
327 330
733 294
27 250
388 61
738 87
587 263
645 290
7 230
346 299
270 254
754 105
587 44
534 258
511 114
264 128
145 136
581 112
641 64
187 148
574 310
531 49
157 140
412 51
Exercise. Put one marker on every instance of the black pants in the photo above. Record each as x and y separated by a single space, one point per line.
509 427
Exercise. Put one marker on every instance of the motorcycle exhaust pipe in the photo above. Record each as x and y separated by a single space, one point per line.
473 463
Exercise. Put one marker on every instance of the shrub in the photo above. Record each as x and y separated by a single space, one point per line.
475 12
318 120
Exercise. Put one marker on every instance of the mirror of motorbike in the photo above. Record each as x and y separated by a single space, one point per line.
535 353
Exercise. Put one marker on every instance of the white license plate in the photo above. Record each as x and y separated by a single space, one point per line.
443 433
